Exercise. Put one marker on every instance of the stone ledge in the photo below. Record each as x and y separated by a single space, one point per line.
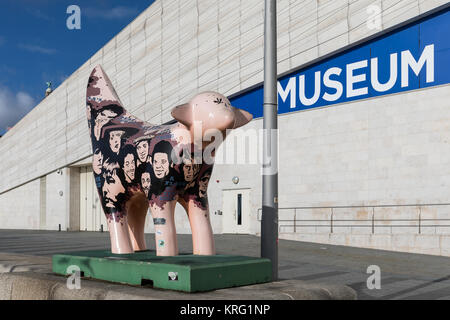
431 244
45 286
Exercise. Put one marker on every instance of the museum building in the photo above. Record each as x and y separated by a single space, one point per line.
364 120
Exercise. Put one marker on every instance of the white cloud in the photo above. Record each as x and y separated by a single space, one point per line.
118 12
39 49
13 106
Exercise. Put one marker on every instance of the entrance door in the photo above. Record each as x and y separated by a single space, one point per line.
91 213
236 211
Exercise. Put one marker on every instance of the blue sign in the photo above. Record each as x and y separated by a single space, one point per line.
414 56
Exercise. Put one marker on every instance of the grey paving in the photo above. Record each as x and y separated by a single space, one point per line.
403 275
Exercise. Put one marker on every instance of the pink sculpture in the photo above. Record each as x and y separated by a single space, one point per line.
138 165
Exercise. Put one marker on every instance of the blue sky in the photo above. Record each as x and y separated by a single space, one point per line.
36 46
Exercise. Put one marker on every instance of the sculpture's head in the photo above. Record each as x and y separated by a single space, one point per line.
213 111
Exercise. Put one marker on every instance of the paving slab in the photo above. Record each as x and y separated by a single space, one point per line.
23 263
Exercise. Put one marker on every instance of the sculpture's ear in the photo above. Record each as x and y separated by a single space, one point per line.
100 86
183 113
241 117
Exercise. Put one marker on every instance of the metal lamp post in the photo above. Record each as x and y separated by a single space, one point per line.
269 220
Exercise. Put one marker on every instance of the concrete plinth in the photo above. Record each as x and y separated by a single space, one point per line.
185 272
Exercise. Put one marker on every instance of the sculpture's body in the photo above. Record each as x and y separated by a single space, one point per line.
138 165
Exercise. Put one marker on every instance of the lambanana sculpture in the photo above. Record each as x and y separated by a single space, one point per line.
138 165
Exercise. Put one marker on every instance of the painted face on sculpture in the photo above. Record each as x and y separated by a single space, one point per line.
88 113
129 167
102 118
114 140
97 162
105 116
146 182
112 186
142 151
161 165
189 170
203 184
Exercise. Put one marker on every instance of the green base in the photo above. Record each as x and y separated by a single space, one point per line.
185 272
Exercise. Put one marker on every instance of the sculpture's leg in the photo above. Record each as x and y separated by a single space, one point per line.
137 207
119 235
165 232
202 235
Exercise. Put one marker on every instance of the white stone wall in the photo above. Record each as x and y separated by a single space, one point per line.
56 204
413 243
20 208
385 150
